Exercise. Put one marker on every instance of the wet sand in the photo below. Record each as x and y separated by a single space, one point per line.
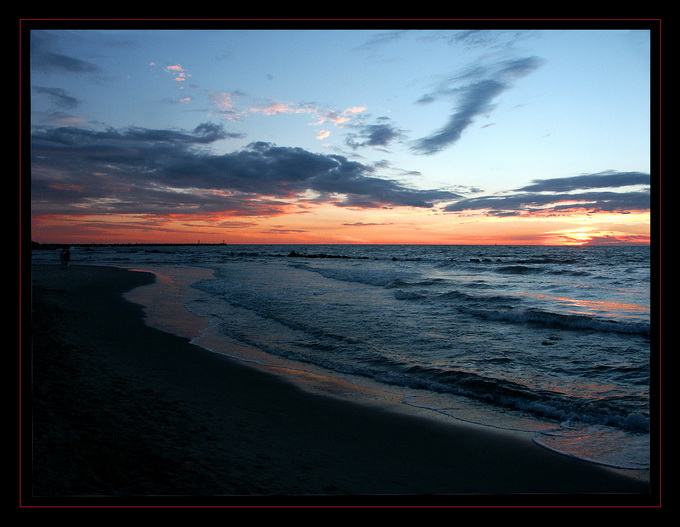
124 414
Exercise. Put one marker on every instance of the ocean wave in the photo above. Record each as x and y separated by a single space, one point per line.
470 325
407 295
374 277
599 444
518 269
559 320
514 395
548 260
455 296
568 272
427 282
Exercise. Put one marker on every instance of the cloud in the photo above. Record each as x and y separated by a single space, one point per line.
486 39
277 107
43 57
282 231
177 72
58 96
374 135
609 179
363 224
337 117
115 140
555 196
225 102
150 171
618 239
387 37
473 92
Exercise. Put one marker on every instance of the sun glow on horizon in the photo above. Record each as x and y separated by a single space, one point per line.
216 136
336 225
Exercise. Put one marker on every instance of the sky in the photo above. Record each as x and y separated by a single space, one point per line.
441 135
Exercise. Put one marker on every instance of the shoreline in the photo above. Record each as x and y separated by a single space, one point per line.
124 410
165 299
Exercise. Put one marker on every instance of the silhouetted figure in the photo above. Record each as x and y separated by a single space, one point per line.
65 257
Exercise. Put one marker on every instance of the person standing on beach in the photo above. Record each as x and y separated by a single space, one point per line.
65 257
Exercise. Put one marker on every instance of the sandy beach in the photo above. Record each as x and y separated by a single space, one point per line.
118 413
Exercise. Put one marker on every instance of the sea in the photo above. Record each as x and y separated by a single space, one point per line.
554 341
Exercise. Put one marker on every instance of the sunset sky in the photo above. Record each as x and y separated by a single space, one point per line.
445 135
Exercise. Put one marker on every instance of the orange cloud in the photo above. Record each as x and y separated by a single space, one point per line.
333 116
326 223
178 73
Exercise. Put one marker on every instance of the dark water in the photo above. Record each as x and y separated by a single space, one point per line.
558 336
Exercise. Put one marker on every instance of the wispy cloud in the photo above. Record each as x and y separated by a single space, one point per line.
225 105
608 179
59 97
503 40
472 94
44 58
321 115
562 195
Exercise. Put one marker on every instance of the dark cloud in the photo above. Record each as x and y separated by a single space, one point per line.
58 96
43 57
137 170
591 201
473 92
556 196
112 139
282 231
374 135
608 179
619 239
